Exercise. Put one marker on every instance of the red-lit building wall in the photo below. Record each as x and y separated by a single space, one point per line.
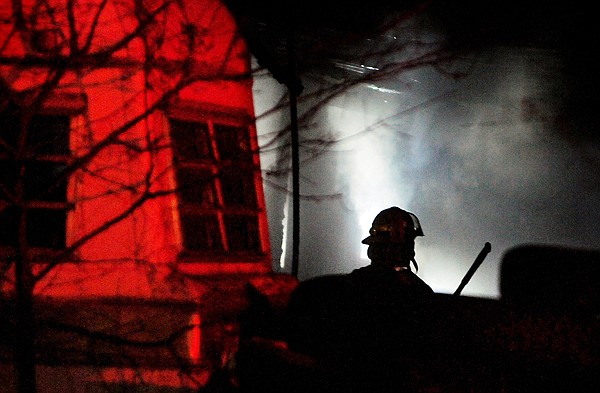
108 97
121 74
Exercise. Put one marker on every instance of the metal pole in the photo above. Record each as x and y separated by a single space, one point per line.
482 254
295 153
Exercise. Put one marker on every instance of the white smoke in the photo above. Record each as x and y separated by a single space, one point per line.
480 159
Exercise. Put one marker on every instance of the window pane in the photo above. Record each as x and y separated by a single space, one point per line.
45 181
46 228
9 128
191 140
238 188
242 233
8 226
196 186
201 232
8 175
49 134
233 142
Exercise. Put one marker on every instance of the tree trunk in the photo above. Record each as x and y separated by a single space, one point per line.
24 344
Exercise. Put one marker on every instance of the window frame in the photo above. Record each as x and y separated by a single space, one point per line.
69 105
227 259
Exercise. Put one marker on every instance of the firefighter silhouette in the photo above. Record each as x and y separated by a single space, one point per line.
391 250
367 323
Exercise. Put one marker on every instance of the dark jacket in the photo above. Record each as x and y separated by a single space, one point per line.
366 324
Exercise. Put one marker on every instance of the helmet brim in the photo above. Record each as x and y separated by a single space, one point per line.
380 239
376 240
368 240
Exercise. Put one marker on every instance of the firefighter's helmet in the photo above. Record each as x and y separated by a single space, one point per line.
393 225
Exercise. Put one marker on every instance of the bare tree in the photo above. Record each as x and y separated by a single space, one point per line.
85 89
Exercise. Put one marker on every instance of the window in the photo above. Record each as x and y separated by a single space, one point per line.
40 167
217 179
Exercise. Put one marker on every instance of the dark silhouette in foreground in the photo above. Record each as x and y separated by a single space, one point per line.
378 329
